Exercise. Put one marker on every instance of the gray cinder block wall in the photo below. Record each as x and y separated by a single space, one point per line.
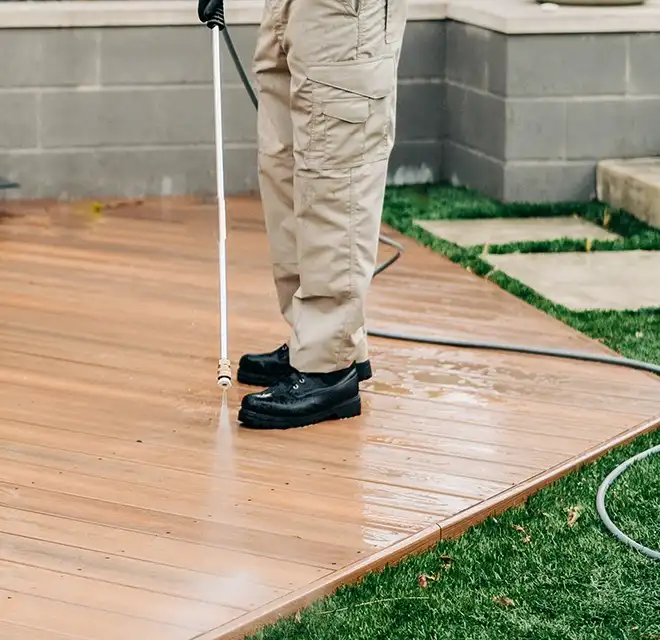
529 116
128 111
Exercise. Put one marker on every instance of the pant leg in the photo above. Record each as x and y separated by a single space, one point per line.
343 56
275 155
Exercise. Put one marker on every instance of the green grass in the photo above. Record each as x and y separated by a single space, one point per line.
529 574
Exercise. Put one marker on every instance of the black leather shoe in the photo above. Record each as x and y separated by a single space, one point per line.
265 369
300 400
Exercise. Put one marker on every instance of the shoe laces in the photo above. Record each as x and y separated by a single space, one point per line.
292 380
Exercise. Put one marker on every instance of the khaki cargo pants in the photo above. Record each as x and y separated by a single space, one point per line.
326 75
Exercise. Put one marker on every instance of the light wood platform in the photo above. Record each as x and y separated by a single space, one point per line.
129 509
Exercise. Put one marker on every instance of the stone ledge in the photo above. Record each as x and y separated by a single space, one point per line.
521 17
632 185
143 13
513 17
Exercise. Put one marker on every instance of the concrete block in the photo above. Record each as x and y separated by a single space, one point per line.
566 65
129 174
535 129
642 127
421 111
16 167
132 117
48 57
170 55
476 57
469 168
416 163
632 185
558 181
596 128
423 51
644 78
476 119
18 120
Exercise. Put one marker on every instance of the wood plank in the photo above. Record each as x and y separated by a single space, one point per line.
132 501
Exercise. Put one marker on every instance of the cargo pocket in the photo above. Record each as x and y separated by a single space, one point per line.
343 131
396 12
353 101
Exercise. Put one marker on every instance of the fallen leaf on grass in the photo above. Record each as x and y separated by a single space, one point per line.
573 514
527 538
446 560
297 618
606 218
588 244
423 580
503 601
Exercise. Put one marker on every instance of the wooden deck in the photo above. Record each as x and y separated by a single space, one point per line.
129 510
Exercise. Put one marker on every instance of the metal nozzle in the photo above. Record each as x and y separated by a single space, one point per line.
224 373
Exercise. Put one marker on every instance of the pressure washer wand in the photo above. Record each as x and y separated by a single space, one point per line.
217 24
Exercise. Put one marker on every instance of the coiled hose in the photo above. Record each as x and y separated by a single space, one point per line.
573 355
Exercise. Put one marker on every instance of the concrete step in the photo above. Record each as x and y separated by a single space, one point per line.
632 185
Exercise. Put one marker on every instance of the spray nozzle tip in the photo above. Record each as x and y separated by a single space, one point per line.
224 373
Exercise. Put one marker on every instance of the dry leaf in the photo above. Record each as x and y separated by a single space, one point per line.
588 244
423 580
446 560
606 218
573 515
503 601
527 538
297 617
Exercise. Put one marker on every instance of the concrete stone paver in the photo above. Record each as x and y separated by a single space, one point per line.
504 230
616 280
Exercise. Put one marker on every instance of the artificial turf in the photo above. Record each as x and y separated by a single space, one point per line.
547 570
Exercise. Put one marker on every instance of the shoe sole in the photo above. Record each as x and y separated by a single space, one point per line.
260 380
350 409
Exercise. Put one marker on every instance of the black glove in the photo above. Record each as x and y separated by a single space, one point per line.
212 13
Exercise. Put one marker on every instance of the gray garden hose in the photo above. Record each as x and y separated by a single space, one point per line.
602 511
573 355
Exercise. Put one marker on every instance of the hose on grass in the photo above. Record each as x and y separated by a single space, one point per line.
602 511
470 344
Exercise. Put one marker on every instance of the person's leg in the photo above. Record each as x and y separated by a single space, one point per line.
343 61
275 157
276 167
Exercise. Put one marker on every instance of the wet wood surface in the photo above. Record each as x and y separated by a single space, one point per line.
132 506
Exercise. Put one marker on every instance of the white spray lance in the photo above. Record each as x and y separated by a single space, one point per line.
217 24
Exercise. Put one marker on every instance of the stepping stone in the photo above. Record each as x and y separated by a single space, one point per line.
493 231
617 280
632 185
